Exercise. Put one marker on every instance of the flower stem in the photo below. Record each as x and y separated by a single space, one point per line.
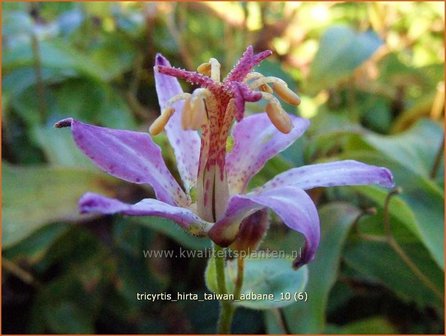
226 309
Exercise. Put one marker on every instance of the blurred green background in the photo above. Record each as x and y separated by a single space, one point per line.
371 78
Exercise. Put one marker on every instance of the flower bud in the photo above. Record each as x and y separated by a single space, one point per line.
251 232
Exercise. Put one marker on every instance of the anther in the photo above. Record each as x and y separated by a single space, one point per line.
205 69
158 125
215 69
186 117
286 94
280 87
279 118
276 114
210 69
194 113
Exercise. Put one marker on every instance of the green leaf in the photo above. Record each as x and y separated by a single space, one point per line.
407 149
54 54
77 291
262 277
67 318
35 247
420 210
378 262
36 196
16 23
59 148
372 325
341 51
309 317
420 206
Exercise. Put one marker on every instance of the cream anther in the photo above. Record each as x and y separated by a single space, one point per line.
276 114
194 112
215 69
158 125
280 87
286 94
205 69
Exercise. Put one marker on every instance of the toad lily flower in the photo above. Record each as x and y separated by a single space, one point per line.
213 200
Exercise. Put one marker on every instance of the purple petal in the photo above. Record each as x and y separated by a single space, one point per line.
330 174
293 205
185 144
131 156
94 203
256 141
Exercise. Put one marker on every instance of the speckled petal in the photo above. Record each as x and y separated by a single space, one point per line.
94 203
331 174
185 143
131 156
256 141
293 206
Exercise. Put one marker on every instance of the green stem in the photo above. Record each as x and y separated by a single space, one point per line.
226 309
220 268
437 161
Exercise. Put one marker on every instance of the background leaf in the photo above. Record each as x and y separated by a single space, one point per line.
41 198
336 221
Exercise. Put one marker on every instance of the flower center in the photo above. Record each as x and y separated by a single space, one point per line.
212 108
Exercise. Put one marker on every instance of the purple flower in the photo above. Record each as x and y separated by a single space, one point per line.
213 199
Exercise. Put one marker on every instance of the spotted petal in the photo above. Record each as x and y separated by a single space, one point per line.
256 141
185 143
293 206
330 174
131 156
94 203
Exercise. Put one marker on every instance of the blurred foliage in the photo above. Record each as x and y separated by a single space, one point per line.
371 78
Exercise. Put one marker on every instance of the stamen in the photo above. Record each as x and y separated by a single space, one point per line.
194 112
266 88
276 114
256 76
265 80
215 69
280 87
178 97
205 69
158 125
253 75
210 69
187 114
286 94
